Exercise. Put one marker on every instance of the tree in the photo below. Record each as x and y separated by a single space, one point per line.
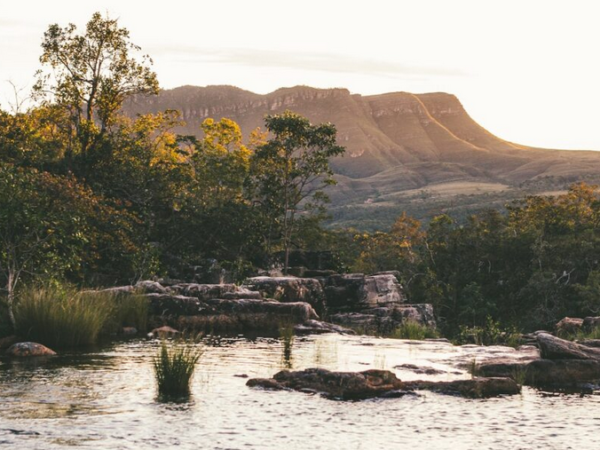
91 75
52 226
292 169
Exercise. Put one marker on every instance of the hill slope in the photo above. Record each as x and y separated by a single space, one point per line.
398 145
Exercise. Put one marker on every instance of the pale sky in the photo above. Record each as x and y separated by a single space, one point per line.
527 70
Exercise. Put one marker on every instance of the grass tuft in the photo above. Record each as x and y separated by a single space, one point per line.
174 367
62 317
414 331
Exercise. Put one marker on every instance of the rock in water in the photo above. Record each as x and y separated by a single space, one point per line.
338 385
379 383
478 387
552 347
21 349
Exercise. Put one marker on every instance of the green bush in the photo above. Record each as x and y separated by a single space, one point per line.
174 367
61 316
414 331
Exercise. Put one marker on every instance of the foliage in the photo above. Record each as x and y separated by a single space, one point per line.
90 75
174 367
414 331
291 170
61 316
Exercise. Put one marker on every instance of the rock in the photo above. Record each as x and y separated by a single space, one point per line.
7 341
421 313
289 290
21 349
545 372
316 326
337 385
356 292
174 305
385 320
561 373
590 343
115 290
242 293
203 291
478 387
129 331
379 383
569 325
589 323
164 332
247 314
552 347
420 370
150 287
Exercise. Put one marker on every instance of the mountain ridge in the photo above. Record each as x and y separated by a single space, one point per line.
397 141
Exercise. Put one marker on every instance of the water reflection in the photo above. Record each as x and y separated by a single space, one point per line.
107 399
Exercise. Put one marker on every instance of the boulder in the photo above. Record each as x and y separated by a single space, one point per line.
150 287
545 372
589 323
203 291
552 347
164 332
247 314
129 331
478 387
385 320
289 290
590 343
379 383
336 385
318 327
356 292
569 325
174 305
22 349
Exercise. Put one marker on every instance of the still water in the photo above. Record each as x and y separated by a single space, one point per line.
106 399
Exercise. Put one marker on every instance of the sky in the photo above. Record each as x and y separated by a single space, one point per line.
527 70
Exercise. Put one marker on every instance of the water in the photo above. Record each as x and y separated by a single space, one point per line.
107 400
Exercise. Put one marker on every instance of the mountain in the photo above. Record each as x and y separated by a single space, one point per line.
417 152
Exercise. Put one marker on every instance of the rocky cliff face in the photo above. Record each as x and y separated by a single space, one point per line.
395 142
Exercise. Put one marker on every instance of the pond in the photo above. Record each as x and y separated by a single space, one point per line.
106 399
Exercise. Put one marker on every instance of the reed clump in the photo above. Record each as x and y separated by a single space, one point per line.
62 316
413 330
174 367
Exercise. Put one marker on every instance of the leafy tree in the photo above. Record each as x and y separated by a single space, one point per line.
52 226
90 75
291 170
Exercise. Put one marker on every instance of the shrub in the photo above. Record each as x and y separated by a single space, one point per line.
414 331
61 316
174 367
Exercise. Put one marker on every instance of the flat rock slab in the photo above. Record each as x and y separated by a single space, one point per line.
478 387
335 385
23 349
318 327
552 347
379 383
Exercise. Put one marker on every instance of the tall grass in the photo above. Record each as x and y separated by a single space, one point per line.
414 331
130 311
61 316
174 367
286 334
